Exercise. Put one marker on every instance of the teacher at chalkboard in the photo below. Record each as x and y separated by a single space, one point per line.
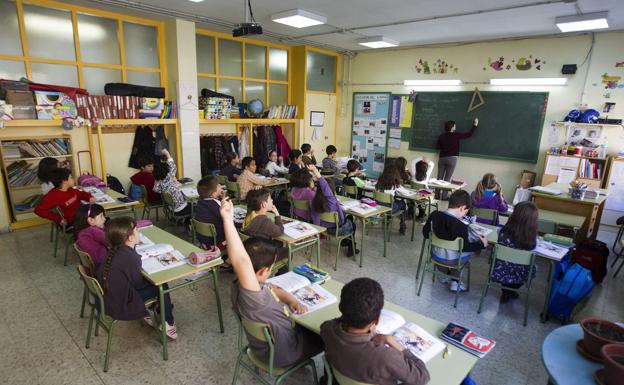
448 144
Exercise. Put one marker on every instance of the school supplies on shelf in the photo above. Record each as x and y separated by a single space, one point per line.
312 273
467 340
422 344
286 111
311 295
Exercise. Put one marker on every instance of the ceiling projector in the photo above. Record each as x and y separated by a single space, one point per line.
246 29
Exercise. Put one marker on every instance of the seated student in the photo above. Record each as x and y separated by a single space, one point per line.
145 177
89 232
388 182
257 224
125 289
248 181
330 164
296 161
307 154
488 195
353 176
302 188
275 165
448 225
353 347
231 169
401 165
422 168
63 196
256 300
520 232
166 182
46 165
210 195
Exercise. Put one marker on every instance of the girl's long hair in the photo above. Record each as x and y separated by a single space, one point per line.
389 178
118 230
521 227
83 213
488 182
401 166
319 202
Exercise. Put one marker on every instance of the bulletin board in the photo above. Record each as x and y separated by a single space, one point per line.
369 130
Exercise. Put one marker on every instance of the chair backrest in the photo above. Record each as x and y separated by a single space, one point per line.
517 256
144 195
545 227
222 179
85 259
331 217
243 236
350 191
486 214
456 245
301 204
383 198
233 190
94 288
343 380
57 210
205 229
167 199
262 332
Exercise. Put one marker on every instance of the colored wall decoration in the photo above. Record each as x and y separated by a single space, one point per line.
438 67
611 81
521 64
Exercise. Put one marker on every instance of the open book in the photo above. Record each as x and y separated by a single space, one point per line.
422 344
309 294
438 182
189 192
299 230
160 256
405 191
347 204
362 208
480 230
550 250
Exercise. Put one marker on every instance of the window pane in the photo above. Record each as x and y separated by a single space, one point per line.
205 83
141 42
233 88
12 70
278 64
321 74
255 90
54 74
98 39
151 79
230 54
96 78
255 61
10 43
49 32
205 54
278 94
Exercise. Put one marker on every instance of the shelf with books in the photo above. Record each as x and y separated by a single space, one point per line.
248 121
33 186
38 158
562 168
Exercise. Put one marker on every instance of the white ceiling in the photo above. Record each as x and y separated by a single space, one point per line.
350 20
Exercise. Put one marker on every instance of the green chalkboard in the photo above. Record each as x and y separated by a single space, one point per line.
510 125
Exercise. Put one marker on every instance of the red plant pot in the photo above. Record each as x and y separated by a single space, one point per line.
613 355
597 333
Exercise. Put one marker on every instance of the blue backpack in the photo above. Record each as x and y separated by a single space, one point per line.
572 285
135 192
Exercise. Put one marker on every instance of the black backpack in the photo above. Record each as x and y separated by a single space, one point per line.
115 184
592 254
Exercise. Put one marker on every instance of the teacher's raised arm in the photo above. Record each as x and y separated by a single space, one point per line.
448 144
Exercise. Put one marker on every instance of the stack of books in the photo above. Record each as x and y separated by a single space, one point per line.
124 107
29 203
35 148
286 111
22 173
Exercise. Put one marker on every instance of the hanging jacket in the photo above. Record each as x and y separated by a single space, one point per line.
283 148
243 145
161 140
143 146
233 144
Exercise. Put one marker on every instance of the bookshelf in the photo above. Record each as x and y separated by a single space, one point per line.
20 159
590 170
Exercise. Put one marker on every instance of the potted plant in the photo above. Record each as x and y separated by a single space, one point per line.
597 333
613 355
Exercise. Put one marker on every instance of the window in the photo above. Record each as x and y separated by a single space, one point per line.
321 72
69 47
243 68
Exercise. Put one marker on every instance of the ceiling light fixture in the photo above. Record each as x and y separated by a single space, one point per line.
196 1
586 22
441 82
378 42
299 18
529 82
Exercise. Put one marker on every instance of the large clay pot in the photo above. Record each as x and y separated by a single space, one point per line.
597 333
613 355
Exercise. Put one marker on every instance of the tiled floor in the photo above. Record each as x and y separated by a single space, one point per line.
43 337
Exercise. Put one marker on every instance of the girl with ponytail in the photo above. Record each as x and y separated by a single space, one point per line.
89 232
489 195
125 289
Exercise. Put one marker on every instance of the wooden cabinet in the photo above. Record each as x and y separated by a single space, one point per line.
592 171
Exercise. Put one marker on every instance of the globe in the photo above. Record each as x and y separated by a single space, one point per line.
255 108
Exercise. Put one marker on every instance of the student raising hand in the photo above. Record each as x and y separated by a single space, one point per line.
315 172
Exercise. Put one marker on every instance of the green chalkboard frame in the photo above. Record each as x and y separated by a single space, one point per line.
407 135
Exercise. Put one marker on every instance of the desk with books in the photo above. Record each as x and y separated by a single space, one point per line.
575 222
109 200
438 184
186 270
443 371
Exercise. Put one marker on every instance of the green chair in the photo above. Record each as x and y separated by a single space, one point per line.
87 262
222 179
147 206
299 204
545 227
332 217
170 213
430 264
350 191
277 265
520 257
62 230
388 201
262 332
486 214
619 240
233 191
342 379
206 230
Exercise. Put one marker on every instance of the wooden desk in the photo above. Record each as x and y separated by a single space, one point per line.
158 235
432 185
380 211
590 209
117 205
443 371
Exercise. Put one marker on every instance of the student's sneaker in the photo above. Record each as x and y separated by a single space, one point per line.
172 332
444 280
149 320
454 286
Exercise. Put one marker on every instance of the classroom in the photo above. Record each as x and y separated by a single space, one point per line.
346 192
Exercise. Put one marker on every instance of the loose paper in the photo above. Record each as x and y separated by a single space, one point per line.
394 143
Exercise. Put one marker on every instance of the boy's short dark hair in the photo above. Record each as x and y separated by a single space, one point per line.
246 162
353 165
59 175
331 149
306 147
448 125
262 252
294 154
230 156
458 199
161 170
421 170
145 161
206 186
361 301
255 198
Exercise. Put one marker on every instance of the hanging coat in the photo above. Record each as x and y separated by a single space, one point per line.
143 146
243 145
283 148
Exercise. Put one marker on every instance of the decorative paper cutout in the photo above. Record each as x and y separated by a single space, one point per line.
438 67
619 64
612 82
522 64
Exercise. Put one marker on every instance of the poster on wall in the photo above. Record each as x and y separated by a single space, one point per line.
401 111
370 124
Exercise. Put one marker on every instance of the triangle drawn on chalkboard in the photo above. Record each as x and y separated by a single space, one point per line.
475 95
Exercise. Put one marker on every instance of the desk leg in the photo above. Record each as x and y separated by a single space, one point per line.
134 214
544 316
289 257
414 221
362 241
422 250
386 225
215 279
163 323
318 251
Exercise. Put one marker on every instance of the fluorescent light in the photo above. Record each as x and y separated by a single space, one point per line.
440 82
299 18
529 82
196 1
586 22
378 42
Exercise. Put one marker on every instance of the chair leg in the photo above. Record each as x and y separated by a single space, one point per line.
618 270
236 369
313 366
337 255
422 277
52 232
89 329
67 241
56 237
483 295
526 307
108 346
85 293
458 289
